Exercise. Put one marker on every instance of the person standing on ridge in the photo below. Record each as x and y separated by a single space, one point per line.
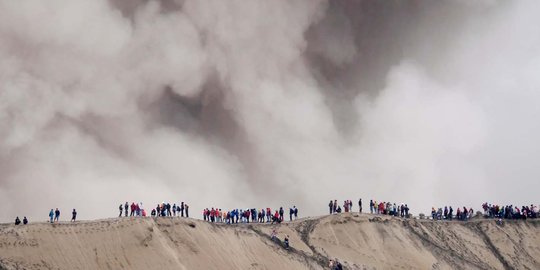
121 208
57 215
126 206
275 218
360 205
291 212
51 215
25 221
281 213
187 209
73 215
182 207
331 207
295 212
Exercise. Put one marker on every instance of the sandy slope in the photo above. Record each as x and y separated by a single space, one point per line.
359 241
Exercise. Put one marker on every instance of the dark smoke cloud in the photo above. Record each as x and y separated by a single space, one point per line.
242 104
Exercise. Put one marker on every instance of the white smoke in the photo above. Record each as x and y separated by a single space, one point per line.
266 104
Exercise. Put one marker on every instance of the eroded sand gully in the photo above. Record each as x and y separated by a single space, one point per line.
358 241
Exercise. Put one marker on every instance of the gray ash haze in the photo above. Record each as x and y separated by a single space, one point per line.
267 103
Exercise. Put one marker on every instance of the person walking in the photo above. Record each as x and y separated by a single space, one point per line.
57 215
73 215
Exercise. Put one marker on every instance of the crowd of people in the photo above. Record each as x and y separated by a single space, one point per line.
161 210
168 210
248 215
387 208
509 211
135 210
216 215
489 211
382 208
448 213
54 215
334 208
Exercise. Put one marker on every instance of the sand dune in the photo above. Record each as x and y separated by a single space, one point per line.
358 241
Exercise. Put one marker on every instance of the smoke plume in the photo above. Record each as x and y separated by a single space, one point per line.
266 104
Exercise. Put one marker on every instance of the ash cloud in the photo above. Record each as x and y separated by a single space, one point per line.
255 104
